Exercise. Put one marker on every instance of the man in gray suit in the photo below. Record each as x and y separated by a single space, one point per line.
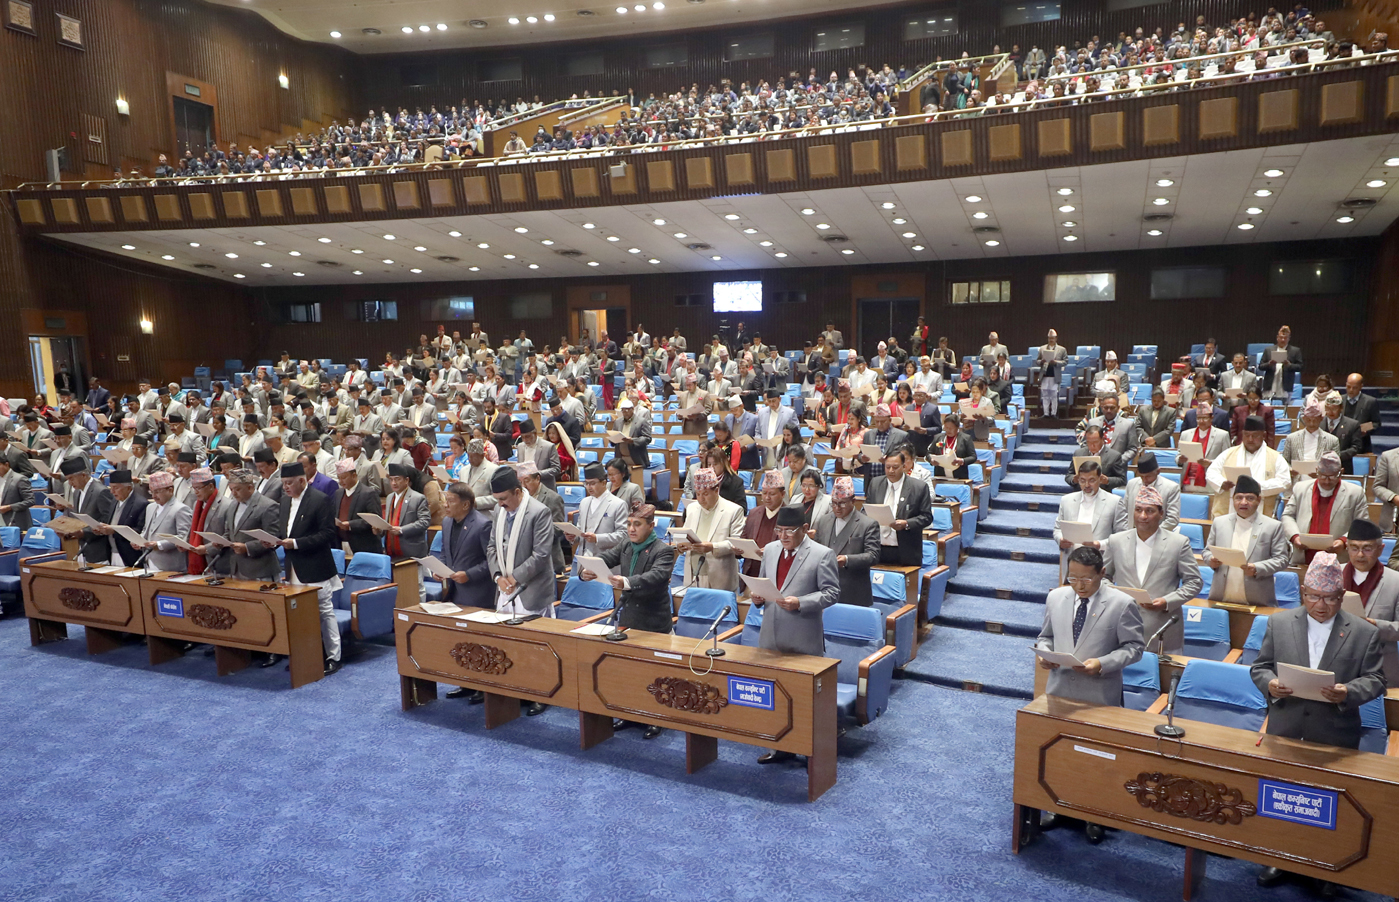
854 539
772 418
1307 511
1311 441
530 480
477 475
1099 626
1259 537
1378 588
1090 504
1157 423
407 513
248 558
518 554
1158 562
1112 465
86 495
809 580
544 455
16 496
1119 433
1238 379
164 516
1387 486
269 482
1149 476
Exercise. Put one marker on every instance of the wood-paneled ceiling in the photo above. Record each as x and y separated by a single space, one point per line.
1207 199
445 24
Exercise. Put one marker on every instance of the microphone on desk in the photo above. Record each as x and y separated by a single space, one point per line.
617 634
715 651
1169 730
1160 634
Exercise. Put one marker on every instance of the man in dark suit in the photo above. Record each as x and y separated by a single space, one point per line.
85 495
352 498
1321 636
854 538
1346 431
884 435
308 524
567 421
1219 417
922 422
465 534
1279 375
1360 407
269 483
128 511
1112 465
1156 423
1212 361
901 542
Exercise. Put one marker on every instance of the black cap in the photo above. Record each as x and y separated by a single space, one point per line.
143 440
773 393
162 390
399 470
1247 485
187 457
504 479
72 465
594 470
119 477
264 456
790 515
293 470
1364 531
1148 463
364 402
1253 424
60 429
526 426
176 418
310 435
251 418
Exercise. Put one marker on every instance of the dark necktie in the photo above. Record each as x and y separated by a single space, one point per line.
1080 615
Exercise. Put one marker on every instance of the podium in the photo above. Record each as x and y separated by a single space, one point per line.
59 592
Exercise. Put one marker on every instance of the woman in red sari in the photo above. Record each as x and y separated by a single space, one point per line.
568 464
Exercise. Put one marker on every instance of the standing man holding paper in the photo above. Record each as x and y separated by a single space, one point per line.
1309 442
760 526
1256 540
1158 562
602 516
854 539
711 563
16 497
164 516
1264 464
1281 366
1090 505
771 420
1378 588
1323 506
519 555
1050 357
644 564
901 541
86 495
1111 464
307 524
1149 477
246 558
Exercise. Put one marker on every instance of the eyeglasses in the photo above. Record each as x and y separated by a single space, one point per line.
1082 580
788 530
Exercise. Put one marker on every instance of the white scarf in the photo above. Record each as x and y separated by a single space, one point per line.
505 547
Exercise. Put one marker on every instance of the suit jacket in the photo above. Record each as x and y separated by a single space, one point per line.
315 534
545 456
1267 551
413 521
464 549
173 520
638 432
532 564
1125 438
1112 465
17 491
915 506
964 449
1350 505
1292 445
271 488
1053 368
361 535
1219 419
858 540
132 513
1215 445
813 578
1352 653
98 503
479 482
1238 414
1172 575
1268 370
1386 485
1384 610
1170 493
1112 633
559 514
1157 424
646 603
1103 514
260 563
895 438
1348 436
721 566
1216 364
1363 409
19 461
785 417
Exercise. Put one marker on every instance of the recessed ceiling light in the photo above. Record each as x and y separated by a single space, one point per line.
633 250
420 248
265 265
887 205
658 5
900 220
1375 183
1067 208
979 214
658 221
521 230
681 235
589 225
716 257
613 238
323 240
441 26
823 225
807 211
547 242
128 247
260 242
621 10
474 268
294 253
454 233
509 256
1160 201
230 255
1065 192
390 237
484 246
335 34
298 274
194 244
1392 161
167 257
425 28
653 260
415 270
640 7
533 20
548 17
993 243
356 250
1245 226
973 198
389 262
359 272
1254 211
1068 223
513 20
731 216
910 234
847 251
239 275
1344 219
917 247
534 266
1262 192
750 231
780 254
408 29
1272 173
1165 183
765 244
592 263
1070 237
1154 233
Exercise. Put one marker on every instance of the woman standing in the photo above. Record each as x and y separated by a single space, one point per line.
620 484
730 483
815 503
568 463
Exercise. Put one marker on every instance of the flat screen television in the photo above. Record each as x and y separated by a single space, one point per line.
738 297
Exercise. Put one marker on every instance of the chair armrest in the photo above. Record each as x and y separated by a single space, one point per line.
1159 705
950 551
1233 656
731 633
901 631
596 618
371 610
932 593
876 678
1391 748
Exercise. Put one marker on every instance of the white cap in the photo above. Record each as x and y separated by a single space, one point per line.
625 403
735 401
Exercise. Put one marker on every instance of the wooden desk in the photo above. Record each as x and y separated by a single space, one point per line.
237 619
1203 792
646 679
57 593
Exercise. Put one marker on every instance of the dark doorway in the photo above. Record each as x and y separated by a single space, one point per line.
882 317
194 126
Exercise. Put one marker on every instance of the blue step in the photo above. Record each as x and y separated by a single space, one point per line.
991 578
1040 525
1003 547
973 612
1027 501
1038 483
1036 451
955 657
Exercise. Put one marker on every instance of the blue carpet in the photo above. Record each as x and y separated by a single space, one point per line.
1027 501
1001 547
1040 523
1038 451
1035 483
1001 664
973 612
990 577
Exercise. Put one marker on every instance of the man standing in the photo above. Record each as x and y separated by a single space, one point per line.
1311 441
636 432
130 510
308 525
519 555
1111 464
771 421
884 436
1235 383
16 497
1265 465
248 558
544 455
1088 505
1346 431
408 516
351 499
1324 505
1050 358
478 473
1281 366
710 563
164 516
1362 408
644 564
86 495
993 348
1119 434
1259 537
1149 476
854 539
466 535
901 542
602 516
1160 563
1378 588
529 478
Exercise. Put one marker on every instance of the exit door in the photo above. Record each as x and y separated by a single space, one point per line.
194 126
56 364
880 318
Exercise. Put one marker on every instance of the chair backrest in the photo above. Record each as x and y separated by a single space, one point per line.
436 547
593 594
1194 507
1206 633
368 565
1286 589
888 585
1196 534
41 538
339 555
10 537
1374 733
1254 642
1141 682
942 518
752 625
705 604
853 633
959 490
1219 693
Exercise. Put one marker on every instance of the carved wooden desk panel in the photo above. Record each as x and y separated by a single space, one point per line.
236 619
1106 766
59 592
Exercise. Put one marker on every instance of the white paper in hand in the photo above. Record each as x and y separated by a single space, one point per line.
1063 659
594 565
375 521
1229 557
436 568
1077 531
761 587
882 514
1304 681
1351 604
263 536
747 548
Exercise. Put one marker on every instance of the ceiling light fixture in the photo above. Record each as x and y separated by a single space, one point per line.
1272 173
613 238
847 251
390 237
658 5
993 243
294 253
513 20
484 246
731 216
259 242
335 34
1154 233
1392 161
454 233
128 247
194 244
653 260
420 249
1068 223
979 214
633 250
425 28
807 211
548 17
509 256
887 205
765 244
593 263
823 225
716 257
900 220
973 198
441 26
359 272
547 242
750 231
1065 192
681 235
474 268
910 234
520 230
167 257
533 20
658 221
1245 226
534 266
1345 219
356 251
239 275
1262 192
621 10
408 29
1070 237
388 262
230 255
1165 183
416 271
780 254
299 274
1254 211
589 225
917 247
1375 183
1067 208
265 265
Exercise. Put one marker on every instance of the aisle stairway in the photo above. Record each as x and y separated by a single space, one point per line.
995 605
